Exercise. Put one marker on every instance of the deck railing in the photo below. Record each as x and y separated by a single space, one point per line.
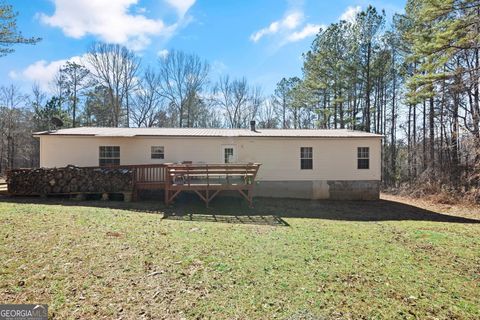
147 173
210 174
142 173
207 180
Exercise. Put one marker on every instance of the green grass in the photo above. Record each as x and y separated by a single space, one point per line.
91 262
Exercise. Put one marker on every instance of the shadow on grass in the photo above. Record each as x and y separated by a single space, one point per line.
266 211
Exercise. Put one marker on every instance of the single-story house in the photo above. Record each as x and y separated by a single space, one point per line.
306 163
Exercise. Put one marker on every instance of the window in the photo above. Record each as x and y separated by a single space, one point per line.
158 152
109 156
363 155
228 155
306 158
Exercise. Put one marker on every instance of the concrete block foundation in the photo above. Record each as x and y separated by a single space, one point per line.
320 189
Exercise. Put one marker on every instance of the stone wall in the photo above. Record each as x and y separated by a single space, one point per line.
320 189
354 190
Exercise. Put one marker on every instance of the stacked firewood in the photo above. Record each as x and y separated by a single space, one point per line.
70 179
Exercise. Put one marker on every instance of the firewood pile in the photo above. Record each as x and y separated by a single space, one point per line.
70 179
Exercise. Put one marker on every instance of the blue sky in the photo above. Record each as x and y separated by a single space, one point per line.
261 40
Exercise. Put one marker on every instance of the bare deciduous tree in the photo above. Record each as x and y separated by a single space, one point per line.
267 116
239 101
114 67
147 100
182 79
12 101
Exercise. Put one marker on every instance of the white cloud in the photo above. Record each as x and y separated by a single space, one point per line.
109 20
350 13
292 20
13 75
307 31
182 6
218 67
163 53
42 72
289 22
273 28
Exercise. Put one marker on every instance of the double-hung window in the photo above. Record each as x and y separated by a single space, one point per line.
363 158
306 158
109 156
158 152
228 155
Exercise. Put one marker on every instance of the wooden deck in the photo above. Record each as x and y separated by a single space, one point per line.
206 180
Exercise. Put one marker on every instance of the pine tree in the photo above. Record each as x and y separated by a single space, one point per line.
9 35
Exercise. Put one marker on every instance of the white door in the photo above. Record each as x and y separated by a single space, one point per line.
229 154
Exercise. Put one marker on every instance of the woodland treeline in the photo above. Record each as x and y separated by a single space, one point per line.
414 78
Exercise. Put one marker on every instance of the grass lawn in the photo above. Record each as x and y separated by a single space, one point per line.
285 259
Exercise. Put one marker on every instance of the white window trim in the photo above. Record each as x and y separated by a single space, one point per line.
305 158
109 158
227 146
363 158
152 153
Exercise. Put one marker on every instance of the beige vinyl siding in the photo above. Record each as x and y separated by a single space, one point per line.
334 158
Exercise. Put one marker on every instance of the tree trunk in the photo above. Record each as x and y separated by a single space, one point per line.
367 90
409 143
424 136
414 166
393 155
431 116
342 122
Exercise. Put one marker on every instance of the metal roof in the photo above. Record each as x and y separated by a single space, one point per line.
198 132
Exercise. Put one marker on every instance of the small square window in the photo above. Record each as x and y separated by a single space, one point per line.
306 158
158 152
363 158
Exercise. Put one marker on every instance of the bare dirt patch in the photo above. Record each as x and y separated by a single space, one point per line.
466 210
